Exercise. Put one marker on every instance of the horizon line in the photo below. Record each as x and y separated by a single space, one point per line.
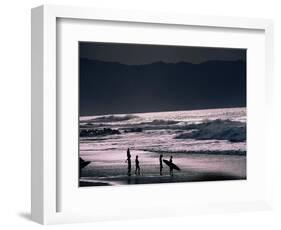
110 114
162 62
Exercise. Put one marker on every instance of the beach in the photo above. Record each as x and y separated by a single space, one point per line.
207 145
194 167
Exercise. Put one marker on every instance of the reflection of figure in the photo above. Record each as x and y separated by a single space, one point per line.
129 161
161 164
171 167
137 172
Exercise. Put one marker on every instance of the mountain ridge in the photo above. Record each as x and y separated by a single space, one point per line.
112 87
161 62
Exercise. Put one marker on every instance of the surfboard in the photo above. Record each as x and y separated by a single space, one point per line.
171 165
83 163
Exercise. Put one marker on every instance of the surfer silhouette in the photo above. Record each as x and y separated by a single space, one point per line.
171 167
161 164
137 171
129 162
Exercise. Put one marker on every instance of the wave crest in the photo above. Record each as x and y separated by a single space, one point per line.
113 118
233 131
211 152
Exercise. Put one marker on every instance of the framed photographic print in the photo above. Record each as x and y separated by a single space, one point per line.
141 114
159 114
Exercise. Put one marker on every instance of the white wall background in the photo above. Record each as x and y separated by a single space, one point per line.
15 113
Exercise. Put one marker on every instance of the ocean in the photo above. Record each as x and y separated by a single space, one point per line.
206 144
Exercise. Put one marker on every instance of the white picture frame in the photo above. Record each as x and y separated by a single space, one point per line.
46 183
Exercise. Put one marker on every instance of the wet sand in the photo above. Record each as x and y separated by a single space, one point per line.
194 167
159 179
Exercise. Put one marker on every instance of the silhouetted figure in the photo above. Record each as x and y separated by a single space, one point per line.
129 162
137 172
171 168
161 164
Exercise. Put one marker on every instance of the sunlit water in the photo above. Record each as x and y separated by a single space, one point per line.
197 157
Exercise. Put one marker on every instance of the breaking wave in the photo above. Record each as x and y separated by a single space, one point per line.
233 131
113 118
162 122
213 152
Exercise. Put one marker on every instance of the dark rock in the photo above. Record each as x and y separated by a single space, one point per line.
98 132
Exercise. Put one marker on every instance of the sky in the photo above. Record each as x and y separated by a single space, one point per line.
131 78
132 54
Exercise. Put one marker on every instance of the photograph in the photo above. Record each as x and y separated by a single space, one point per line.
151 114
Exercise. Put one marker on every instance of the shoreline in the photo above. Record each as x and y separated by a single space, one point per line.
157 179
194 168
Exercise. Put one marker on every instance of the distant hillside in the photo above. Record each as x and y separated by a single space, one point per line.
111 87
